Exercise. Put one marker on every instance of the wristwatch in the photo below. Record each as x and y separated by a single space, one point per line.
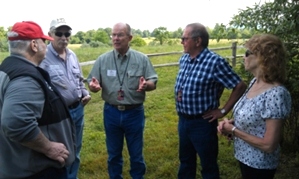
223 111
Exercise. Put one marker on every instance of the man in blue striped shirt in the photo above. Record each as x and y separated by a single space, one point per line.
201 79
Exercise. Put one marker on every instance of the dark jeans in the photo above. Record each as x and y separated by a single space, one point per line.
253 173
50 173
198 136
120 125
78 119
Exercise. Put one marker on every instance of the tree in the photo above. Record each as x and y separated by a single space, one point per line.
75 40
80 35
178 33
137 32
146 33
101 36
108 30
3 40
89 36
2 33
280 18
161 34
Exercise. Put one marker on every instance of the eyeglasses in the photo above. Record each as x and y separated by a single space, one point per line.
185 38
118 35
60 34
248 52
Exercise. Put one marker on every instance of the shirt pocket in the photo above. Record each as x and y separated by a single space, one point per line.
56 74
76 74
133 79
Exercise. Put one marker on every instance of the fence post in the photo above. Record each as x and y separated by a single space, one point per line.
234 53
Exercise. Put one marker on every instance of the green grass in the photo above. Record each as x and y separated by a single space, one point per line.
160 135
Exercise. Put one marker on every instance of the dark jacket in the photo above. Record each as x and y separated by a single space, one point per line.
54 122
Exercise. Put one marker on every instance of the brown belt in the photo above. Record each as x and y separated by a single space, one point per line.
125 107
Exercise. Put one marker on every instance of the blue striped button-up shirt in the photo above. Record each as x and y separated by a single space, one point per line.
201 82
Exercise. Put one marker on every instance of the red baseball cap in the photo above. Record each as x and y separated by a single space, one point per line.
27 30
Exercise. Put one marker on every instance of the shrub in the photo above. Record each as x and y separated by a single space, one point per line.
96 44
138 42
3 45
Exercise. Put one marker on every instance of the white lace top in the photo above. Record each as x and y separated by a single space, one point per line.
250 116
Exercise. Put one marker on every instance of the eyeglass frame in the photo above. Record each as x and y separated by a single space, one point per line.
120 35
183 39
248 53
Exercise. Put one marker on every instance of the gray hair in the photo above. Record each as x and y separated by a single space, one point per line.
129 30
199 30
18 46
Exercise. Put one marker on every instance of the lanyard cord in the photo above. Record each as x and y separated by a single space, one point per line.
122 81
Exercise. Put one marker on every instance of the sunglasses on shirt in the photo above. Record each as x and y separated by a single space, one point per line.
247 53
60 34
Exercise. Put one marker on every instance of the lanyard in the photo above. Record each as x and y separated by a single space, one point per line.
120 81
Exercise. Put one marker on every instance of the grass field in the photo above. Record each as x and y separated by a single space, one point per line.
160 135
161 142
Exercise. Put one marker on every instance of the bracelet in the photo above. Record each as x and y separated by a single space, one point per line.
233 130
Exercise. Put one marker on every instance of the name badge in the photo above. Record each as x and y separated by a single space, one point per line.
111 72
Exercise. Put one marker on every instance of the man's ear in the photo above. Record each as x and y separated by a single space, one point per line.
130 37
50 34
34 45
198 41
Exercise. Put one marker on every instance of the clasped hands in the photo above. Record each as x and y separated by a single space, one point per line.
225 128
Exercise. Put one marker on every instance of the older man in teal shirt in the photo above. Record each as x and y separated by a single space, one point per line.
124 75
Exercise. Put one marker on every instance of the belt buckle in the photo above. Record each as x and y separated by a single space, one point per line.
121 107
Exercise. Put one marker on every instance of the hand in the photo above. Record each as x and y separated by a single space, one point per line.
225 126
58 152
220 127
94 85
212 115
85 99
142 84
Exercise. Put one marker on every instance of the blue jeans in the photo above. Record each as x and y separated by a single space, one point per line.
198 136
78 119
128 124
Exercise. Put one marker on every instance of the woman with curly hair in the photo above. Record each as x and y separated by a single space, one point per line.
259 114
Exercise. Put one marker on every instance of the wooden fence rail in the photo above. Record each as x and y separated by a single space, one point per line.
233 57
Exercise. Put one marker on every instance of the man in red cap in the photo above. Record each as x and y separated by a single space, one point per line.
36 130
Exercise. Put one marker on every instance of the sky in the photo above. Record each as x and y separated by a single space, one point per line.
139 14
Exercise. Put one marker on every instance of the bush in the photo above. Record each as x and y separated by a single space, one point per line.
3 45
96 44
138 42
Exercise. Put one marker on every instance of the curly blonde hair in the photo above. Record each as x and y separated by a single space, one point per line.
271 56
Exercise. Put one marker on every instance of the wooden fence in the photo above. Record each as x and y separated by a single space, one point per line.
232 58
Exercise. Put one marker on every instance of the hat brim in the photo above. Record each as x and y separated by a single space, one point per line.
61 25
47 38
